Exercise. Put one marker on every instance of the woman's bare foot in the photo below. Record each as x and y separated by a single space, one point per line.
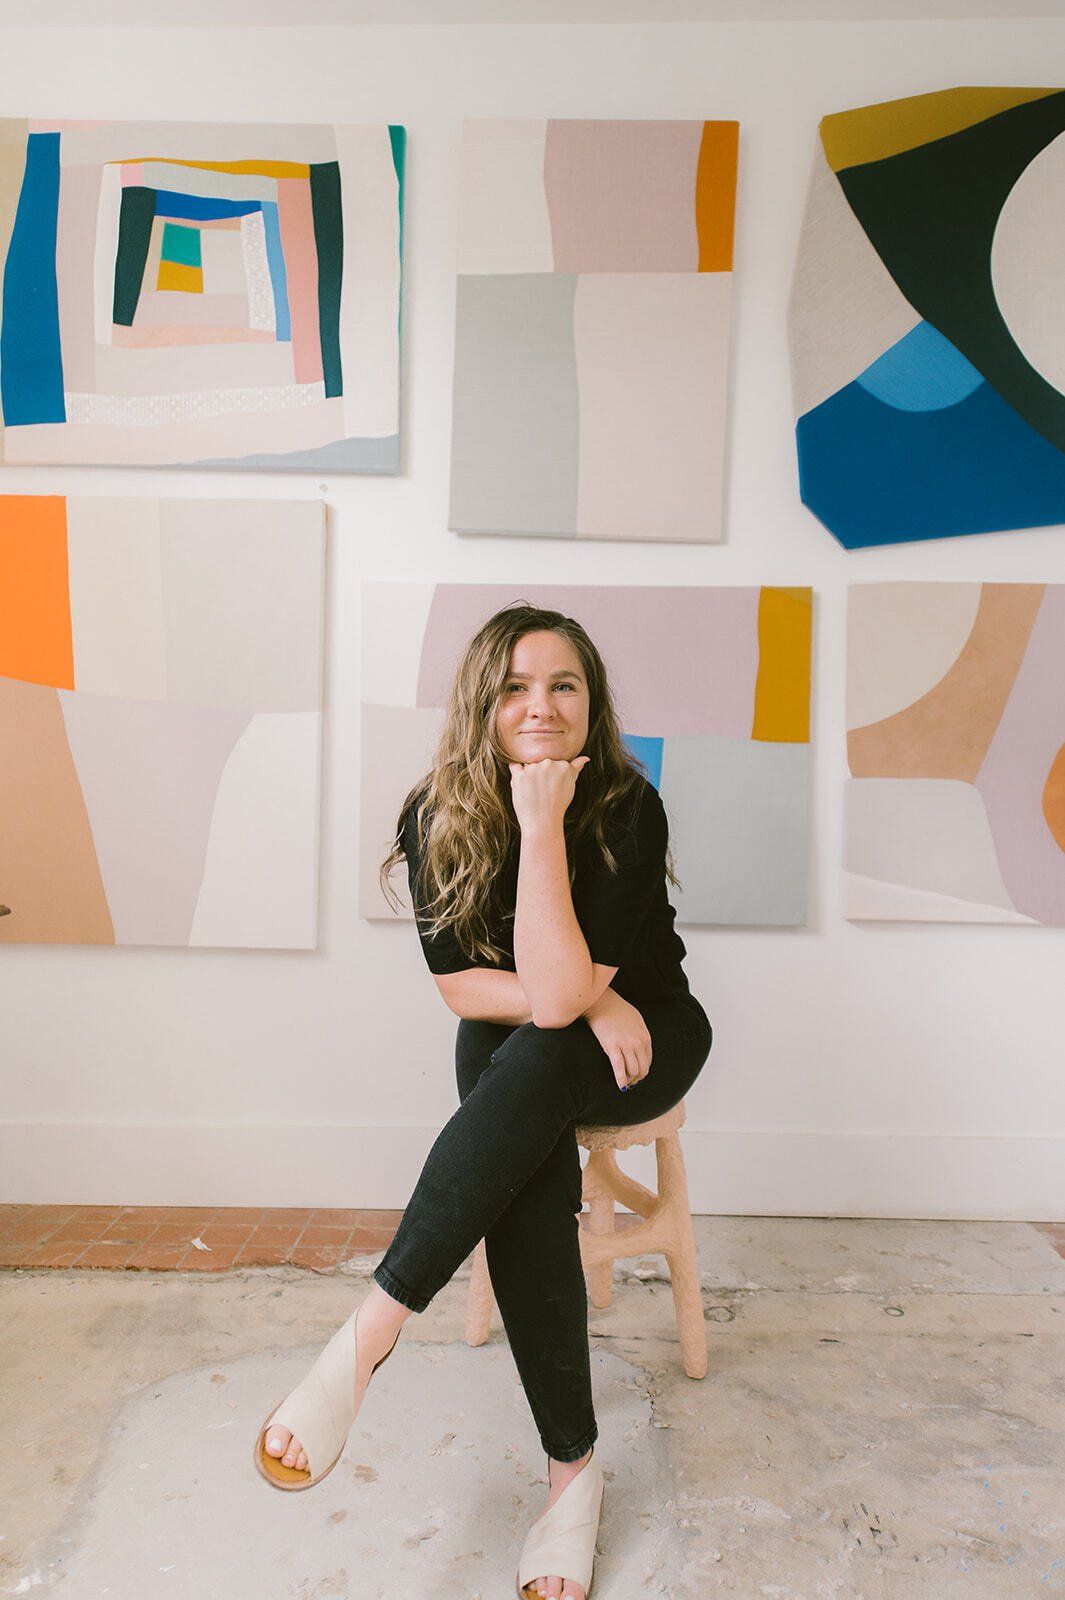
380 1320
559 1474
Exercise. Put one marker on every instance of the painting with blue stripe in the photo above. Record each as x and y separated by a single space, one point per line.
192 294
927 318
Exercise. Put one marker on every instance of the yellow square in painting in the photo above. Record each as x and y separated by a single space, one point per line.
172 275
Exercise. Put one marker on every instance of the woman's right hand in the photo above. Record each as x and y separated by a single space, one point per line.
623 1034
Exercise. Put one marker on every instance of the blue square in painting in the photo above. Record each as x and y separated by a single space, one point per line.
649 752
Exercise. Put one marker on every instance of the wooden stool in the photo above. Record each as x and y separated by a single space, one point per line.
665 1228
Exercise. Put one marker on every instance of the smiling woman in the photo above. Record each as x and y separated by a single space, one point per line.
544 709
538 857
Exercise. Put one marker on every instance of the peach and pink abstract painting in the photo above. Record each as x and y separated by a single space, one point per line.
160 721
592 328
956 745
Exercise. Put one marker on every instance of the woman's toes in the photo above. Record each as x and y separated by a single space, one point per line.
554 1588
280 1443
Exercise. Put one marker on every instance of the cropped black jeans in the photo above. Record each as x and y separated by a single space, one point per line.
506 1168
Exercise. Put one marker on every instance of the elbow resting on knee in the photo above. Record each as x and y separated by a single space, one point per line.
554 1017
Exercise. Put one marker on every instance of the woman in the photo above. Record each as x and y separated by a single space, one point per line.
537 861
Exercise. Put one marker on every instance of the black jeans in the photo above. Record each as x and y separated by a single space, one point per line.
506 1169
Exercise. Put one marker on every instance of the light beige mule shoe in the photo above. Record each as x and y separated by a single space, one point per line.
563 1539
320 1411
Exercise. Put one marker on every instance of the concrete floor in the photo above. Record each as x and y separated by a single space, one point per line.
884 1417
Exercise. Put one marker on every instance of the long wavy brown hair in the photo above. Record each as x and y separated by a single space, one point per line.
463 810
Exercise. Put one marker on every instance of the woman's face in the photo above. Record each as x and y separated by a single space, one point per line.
543 711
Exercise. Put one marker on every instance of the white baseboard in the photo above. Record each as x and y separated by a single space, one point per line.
779 1174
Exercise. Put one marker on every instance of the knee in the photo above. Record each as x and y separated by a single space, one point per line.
547 1048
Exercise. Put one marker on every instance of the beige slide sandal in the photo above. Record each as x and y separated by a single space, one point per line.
563 1539
319 1412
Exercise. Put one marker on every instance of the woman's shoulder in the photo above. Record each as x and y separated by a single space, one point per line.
637 824
408 822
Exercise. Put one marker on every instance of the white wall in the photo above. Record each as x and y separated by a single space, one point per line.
857 1070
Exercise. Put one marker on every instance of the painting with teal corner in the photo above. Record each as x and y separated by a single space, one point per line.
712 688
927 317
195 294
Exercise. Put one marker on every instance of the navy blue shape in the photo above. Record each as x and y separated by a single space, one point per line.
31 358
201 208
876 475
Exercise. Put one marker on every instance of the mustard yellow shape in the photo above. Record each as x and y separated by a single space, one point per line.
782 687
248 169
872 133
172 275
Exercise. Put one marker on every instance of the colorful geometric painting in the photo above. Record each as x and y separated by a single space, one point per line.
592 328
160 711
956 742
928 318
712 687
200 294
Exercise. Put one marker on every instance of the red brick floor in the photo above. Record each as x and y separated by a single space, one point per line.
160 1238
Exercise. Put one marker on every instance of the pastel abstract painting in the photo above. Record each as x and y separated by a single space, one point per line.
927 317
713 693
956 745
592 328
160 721
209 294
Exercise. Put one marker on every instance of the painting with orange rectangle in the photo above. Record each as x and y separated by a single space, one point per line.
160 709
592 328
711 685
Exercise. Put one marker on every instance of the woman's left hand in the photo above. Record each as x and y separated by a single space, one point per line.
542 790
622 1032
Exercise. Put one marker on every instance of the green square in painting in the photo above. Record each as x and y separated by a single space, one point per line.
181 245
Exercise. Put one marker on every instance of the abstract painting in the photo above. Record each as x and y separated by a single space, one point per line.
592 328
956 745
928 318
210 294
160 711
712 687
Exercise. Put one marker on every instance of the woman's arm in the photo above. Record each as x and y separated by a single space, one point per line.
550 951
487 994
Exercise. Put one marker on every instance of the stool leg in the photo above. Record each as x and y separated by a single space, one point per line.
480 1299
600 1198
680 1255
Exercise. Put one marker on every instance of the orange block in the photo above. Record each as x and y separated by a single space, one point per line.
36 643
782 688
173 275
260 169
715 195
1054 799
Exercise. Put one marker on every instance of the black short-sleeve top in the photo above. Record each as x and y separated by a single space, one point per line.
626 917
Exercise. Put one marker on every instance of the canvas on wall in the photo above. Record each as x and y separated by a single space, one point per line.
212 294
592 328
956 746
712 687
927 317
160 720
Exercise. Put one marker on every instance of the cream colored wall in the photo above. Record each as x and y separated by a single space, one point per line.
858 1070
